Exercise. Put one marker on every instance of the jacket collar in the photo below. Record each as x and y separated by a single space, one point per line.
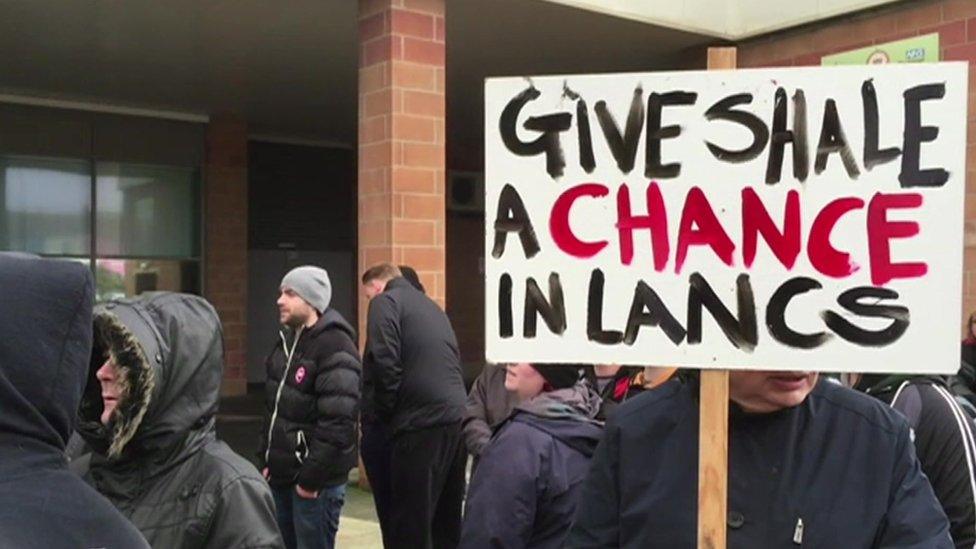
397 283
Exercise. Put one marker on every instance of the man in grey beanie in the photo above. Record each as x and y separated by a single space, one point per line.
312 396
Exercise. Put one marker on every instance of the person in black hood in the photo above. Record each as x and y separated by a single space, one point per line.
944 441
414 388
148 416
45 341
810 463
312 396
526 487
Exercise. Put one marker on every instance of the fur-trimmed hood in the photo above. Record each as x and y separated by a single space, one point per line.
169 353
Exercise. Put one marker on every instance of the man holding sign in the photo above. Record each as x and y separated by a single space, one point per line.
796 220
811 464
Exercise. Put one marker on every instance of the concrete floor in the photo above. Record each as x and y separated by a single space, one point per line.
239 425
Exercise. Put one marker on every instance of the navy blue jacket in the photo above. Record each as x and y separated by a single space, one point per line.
840 462
525 489
944 441
45 343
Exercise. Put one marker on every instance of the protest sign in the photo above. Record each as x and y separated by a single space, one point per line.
805 218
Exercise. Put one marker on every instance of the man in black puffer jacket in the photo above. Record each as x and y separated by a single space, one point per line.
149 416
312 397
45 341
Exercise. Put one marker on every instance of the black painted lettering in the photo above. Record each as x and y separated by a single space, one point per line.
781 136
833 140
505 329
851 300
760 133
656 133
776 315
873 156
647 309
623 147
594 313
552 310
915 134
513 217
550 125
741 333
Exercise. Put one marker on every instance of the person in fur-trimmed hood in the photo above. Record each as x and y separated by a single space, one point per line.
149 417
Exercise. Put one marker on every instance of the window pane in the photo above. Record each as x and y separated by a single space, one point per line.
45 205
147 211
117 278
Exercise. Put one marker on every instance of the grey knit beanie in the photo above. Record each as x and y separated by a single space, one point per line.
311 284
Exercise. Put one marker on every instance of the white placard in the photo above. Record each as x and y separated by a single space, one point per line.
796 219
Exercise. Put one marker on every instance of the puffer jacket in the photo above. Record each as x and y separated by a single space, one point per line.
526 487
45 340
158 459
311 417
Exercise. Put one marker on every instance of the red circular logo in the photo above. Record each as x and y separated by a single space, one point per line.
300 374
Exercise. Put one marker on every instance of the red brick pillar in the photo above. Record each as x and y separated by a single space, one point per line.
225 252
401 139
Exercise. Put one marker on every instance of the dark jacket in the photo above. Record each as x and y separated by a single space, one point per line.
489 404
944 443
313 435
412 371
45 341
526 487
841 462
158 460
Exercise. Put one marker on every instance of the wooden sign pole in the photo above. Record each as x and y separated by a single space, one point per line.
713 443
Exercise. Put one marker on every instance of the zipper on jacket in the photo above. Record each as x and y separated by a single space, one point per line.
798 532
289 354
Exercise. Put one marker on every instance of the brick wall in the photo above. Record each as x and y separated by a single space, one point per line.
225 181
401 139
954 20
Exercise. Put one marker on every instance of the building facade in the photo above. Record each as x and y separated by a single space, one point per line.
208 147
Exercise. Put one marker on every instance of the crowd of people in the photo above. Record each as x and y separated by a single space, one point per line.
107 436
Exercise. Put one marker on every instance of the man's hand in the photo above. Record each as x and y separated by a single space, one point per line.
266 473
305 494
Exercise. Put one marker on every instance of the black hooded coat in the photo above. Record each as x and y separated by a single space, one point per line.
45 340
158 459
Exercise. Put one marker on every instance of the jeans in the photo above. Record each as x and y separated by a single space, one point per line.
309 523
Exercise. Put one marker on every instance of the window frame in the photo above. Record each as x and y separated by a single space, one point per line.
93 256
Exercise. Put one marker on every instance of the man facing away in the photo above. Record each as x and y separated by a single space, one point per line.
811 464
45 341
312 399
413 384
